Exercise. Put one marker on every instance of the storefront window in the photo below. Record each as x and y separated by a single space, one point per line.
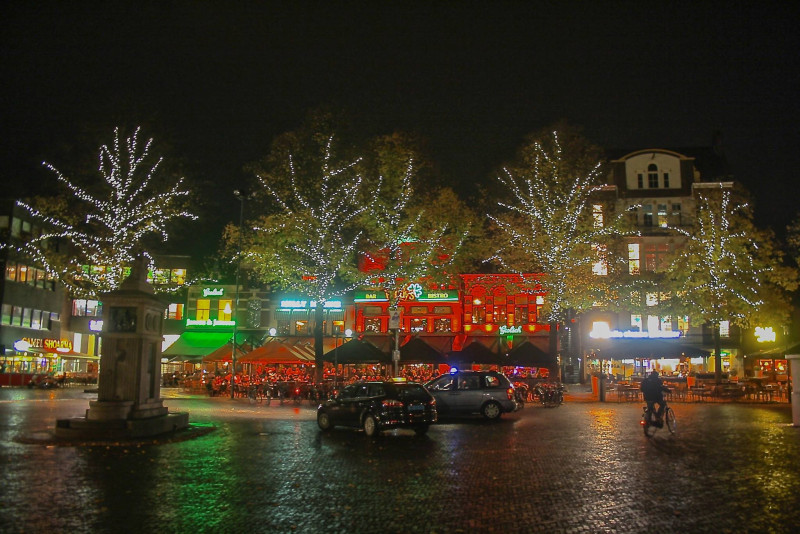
521 315
6 315
22 273
372 324
16 316
203 309
301 327
224 309
418 324
634 265
441 325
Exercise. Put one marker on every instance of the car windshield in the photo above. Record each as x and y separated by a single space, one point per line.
412 393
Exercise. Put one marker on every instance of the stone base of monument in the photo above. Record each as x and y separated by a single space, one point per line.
109 420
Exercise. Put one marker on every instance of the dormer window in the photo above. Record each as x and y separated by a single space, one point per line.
652 176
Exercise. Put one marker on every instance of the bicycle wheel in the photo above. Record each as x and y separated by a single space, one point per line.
672 423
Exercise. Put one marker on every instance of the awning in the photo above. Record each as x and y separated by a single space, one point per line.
474 352
223 354
281 352
195 345
526 354
70 355
357 351
418 351
626 348
777 352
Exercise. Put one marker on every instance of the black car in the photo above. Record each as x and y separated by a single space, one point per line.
378 406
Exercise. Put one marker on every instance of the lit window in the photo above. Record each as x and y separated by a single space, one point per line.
676 214
203 309
441 325
372 324
600 267
662 215
647 216
225 310
179 276
301 327
636 323
11 272
175 311
724 329
597 215
634 265
418 324
683 324
651 299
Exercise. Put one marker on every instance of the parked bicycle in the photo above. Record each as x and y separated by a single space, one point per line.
651 422
550 395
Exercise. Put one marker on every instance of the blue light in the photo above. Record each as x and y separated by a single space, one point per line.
453 370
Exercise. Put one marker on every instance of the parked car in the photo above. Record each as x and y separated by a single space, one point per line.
378 406
487 393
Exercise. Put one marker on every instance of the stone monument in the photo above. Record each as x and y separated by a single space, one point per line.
128 401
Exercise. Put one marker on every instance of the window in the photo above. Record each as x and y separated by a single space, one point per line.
372 310
648 215
441 324
36 319
161 276
640 180
203 309
26 317
442 310
683 324
11 272
652 176
666 180
282 323
175 311
372 324
597 215
521 315
87 308
22 273
6 314
224 309
724 329
662 215
636 323
301 327
650 257
418 310
179 276
634 266
418 324
600 267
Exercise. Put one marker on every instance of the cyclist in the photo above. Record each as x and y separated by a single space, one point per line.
653 391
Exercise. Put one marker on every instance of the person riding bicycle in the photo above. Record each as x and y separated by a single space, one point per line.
653 391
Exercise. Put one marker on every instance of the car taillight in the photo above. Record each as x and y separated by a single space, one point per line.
392 403
510 393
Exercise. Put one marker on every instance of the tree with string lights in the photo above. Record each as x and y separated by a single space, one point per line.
728 269
556 222
90 242
308 243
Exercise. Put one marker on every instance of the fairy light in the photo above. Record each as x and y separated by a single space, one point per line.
116 220
551 225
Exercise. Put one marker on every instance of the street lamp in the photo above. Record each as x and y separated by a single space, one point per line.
235 315
347 334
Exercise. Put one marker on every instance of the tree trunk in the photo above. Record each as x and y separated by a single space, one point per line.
553 348
319 348
717 354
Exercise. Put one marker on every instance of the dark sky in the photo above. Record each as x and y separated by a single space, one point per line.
216 83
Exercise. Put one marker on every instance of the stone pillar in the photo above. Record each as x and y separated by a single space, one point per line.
129 382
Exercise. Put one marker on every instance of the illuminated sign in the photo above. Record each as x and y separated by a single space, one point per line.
209 322
47 344
510 330
602 331
412 292
765 334
305 304
213 291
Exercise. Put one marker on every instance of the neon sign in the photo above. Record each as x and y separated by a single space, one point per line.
209 322
510 330
305 304
213 291
602 331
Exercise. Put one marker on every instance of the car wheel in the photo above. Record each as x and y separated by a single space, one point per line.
370 425
324 421
421 430
491 411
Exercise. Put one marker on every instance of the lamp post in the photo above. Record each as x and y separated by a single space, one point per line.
235 315
347 334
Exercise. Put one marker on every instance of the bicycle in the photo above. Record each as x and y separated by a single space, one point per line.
650 424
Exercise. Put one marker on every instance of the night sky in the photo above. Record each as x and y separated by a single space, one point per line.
215 83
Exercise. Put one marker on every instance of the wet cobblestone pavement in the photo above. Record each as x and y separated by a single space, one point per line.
582 467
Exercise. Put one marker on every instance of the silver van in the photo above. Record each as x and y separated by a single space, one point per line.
487 393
